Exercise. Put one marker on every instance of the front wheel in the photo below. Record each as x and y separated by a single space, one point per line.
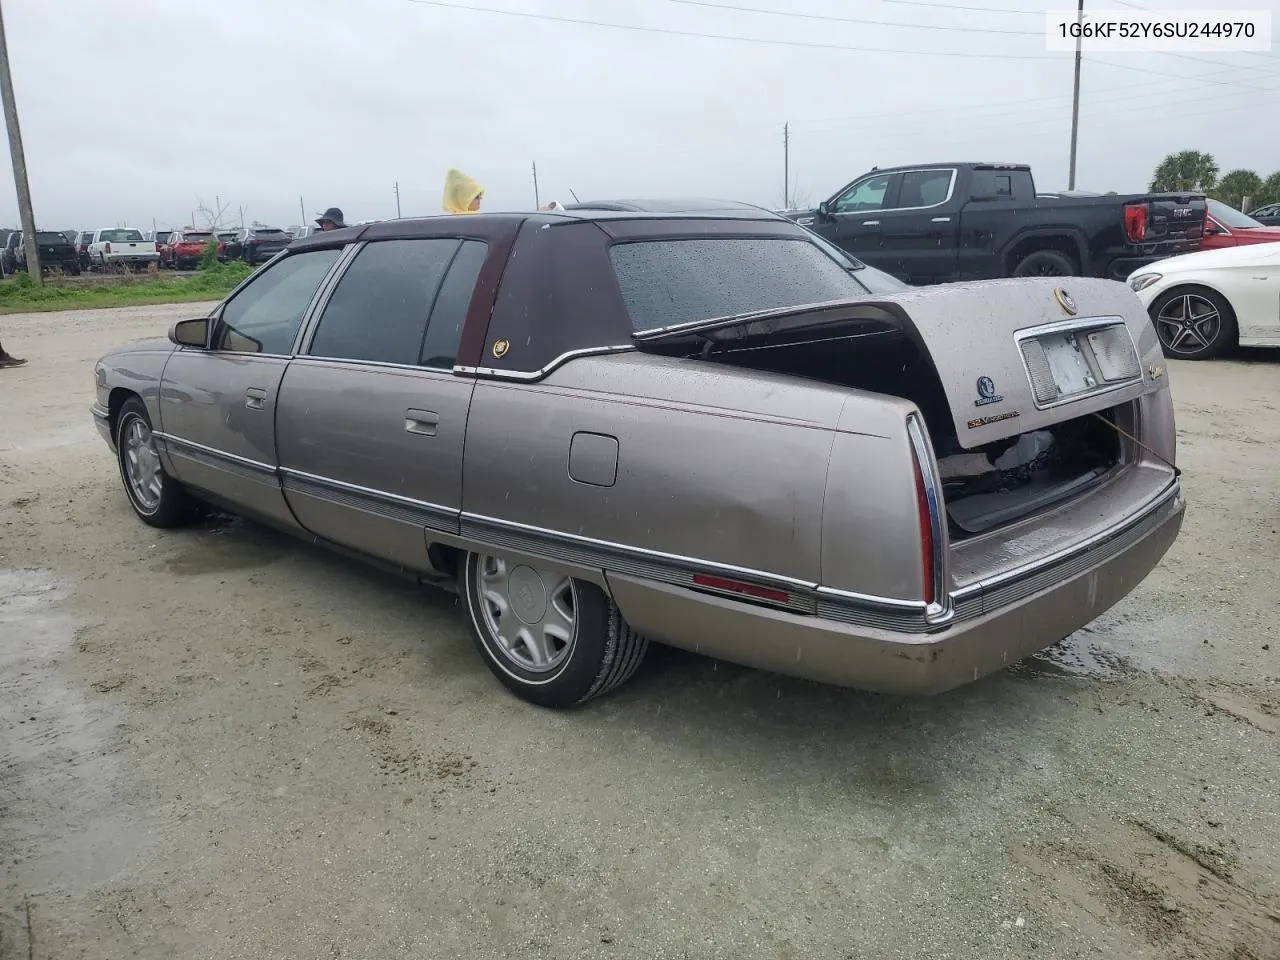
551 639
1194 323
157 499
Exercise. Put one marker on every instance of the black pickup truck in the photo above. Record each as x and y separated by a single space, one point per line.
936 223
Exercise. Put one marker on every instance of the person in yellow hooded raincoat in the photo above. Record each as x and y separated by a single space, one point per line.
461 193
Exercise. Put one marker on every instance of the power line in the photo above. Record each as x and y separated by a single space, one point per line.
1202 78
719 36
875 23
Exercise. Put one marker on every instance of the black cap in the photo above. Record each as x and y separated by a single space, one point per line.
334 214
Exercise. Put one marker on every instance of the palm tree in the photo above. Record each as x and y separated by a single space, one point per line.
1185 170
1236 185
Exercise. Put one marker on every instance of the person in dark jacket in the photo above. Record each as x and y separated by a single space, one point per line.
6 360
331 219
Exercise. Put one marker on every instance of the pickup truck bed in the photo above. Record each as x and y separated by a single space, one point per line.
938 223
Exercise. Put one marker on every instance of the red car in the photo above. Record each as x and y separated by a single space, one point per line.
1227 227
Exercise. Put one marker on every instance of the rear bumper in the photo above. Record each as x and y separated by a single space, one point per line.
1052 603
1122 267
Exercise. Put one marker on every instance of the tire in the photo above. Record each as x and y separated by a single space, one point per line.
73 269
596 653
1194 323
142 473
1045 263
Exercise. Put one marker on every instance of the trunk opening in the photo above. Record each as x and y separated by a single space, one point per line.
983 488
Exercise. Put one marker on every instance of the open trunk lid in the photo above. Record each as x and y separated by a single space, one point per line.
1012 356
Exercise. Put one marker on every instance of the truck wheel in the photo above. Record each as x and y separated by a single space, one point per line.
1194 323
1045 263
552 640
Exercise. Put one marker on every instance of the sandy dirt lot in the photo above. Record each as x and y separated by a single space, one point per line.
221 743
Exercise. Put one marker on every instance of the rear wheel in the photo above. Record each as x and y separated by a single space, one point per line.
1045 263
551 639
157 499
1194 323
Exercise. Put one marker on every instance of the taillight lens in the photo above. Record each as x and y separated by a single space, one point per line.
928 516
1135 222
107 248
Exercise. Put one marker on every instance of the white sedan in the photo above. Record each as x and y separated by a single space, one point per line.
1203 304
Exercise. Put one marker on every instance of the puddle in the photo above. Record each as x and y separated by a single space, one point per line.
224 543
65 826
1082 655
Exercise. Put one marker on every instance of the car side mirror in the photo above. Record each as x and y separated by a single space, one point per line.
190 333
1211 229
824 208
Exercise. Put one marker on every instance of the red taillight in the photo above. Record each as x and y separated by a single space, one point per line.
107 248
738 586
1135 222
924 518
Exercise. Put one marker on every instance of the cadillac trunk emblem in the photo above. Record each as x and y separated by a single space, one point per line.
500 348
1064 301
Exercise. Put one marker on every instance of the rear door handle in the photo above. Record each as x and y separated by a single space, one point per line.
871 223
255 398
941 219
422 422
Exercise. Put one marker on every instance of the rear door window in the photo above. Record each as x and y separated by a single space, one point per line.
378 311
924 188
670 282
444 330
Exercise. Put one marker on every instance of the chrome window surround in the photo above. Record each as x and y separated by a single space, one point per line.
951 189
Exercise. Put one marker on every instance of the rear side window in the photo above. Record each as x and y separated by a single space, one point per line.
444 330
924 188
378 312
669 282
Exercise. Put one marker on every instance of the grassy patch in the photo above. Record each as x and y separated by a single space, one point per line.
20 295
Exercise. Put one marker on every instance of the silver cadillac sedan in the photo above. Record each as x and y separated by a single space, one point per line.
610 427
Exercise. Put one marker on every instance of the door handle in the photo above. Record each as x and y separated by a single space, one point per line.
255 398
422 422
941 219
871 223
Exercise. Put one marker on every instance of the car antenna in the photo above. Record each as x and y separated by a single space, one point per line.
574 195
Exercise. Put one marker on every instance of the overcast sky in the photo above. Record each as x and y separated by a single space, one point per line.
135 109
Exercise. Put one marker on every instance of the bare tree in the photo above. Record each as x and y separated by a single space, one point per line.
214 217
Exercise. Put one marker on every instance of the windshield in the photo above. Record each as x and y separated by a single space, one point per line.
121 236
669 282
1230 216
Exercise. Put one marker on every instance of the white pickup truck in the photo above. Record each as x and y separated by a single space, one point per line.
114 247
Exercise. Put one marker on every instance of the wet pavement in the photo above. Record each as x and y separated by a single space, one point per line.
220 742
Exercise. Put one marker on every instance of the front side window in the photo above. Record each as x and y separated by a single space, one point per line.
868 194
670 282
264 316
378 311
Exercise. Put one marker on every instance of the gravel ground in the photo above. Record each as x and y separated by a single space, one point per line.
223 743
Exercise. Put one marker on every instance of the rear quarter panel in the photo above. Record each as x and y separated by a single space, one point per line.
713 463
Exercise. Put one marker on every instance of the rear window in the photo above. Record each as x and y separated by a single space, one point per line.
270 234
195 237
121 236
669 282
47 236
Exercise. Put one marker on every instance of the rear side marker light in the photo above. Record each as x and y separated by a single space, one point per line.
737 586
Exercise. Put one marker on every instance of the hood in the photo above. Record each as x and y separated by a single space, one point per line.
1246 254
459 192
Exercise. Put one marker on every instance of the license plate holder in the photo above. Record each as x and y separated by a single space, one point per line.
1071 370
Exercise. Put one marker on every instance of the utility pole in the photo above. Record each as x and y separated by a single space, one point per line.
19 163
397 199
302 209
242 218
1075 100
786 166
537 203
